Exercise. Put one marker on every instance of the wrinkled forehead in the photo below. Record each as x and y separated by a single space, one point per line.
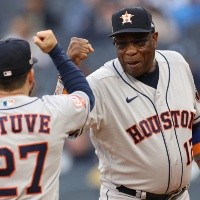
136 36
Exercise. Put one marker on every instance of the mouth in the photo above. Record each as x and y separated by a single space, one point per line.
133 63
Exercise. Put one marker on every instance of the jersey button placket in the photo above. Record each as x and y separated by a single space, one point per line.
158 99
171 137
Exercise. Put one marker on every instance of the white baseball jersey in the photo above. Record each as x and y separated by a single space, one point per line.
32 135
142 135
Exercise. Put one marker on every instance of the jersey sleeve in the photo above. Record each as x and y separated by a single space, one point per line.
70 111
99 114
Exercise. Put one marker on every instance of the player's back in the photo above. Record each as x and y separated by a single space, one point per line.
32 134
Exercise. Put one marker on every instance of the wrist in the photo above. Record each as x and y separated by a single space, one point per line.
55 50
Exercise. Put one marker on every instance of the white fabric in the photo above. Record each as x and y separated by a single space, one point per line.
55 116
155 160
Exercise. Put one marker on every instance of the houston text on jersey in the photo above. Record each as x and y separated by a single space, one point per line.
147 127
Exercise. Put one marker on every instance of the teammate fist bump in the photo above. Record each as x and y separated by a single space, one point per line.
45 40
79 49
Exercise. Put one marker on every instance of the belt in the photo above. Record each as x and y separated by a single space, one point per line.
148 195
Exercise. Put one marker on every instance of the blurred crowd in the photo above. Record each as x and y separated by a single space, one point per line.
178 24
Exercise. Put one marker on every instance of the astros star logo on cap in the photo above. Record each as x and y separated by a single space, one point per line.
126 18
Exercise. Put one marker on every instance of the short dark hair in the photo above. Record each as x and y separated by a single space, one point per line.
13 83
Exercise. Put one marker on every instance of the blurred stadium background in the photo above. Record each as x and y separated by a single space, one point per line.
178 24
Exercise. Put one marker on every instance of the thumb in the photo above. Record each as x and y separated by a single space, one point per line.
91 48
37 41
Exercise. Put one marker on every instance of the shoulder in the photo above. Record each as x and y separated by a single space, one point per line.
176 62
57 101
170 56
103 72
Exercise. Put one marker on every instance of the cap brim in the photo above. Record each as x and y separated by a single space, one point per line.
130 30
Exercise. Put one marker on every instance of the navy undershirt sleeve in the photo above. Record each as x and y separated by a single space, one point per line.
71 76
196 133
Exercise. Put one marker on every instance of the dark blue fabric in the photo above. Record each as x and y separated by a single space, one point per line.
72 78
196 134
150 79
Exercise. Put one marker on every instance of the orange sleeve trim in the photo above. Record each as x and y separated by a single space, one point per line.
196 149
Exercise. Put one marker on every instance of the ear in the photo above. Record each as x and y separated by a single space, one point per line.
155 39
31 77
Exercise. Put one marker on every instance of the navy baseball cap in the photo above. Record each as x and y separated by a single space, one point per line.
132 20
15 58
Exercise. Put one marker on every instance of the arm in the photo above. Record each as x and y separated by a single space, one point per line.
78 50
196 143
71 76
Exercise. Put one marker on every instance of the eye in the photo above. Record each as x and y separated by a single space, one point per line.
140 43
120 45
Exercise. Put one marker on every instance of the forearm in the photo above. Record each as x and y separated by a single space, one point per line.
196 143
72 78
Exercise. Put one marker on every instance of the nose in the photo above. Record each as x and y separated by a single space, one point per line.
131 49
